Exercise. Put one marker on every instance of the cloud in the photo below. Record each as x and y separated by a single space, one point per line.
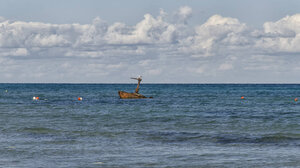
225 66
281 36
148 31
14 52
2 19
154 72
159 47
183 14
215 34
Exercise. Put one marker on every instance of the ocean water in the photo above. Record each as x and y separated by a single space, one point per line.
184 125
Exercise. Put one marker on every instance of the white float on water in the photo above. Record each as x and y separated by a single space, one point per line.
35 98
98 163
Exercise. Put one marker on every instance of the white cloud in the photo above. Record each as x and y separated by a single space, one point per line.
14 52
155 46
148 31
2 19
282 36
215 34
183 14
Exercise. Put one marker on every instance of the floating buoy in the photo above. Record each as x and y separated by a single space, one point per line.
35 98
242 97
296 99
79 98
98 163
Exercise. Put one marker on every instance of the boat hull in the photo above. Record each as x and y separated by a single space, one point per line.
125 95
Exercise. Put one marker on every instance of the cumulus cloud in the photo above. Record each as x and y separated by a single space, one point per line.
183 14
281 36
156 46
14 52
216 33
148 31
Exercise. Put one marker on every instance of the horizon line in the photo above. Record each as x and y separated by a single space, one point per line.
144 83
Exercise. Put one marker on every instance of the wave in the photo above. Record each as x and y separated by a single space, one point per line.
40 130
264 139
181 137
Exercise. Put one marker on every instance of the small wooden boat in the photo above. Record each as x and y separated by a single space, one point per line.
125 95
136 95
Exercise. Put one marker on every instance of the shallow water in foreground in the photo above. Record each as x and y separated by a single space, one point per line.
185 125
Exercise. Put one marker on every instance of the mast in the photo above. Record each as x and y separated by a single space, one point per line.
138 85
139 79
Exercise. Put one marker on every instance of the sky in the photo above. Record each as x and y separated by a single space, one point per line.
169 41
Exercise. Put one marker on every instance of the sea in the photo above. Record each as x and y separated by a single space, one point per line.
182 126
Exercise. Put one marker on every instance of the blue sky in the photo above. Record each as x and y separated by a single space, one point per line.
172 41
254 12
